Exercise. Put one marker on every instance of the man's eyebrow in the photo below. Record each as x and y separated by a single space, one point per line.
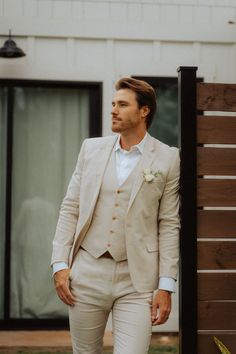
120 101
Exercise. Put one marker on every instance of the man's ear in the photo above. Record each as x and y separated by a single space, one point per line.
145 111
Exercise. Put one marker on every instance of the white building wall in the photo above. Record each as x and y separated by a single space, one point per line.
103 40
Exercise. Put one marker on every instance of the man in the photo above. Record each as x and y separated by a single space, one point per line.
117 235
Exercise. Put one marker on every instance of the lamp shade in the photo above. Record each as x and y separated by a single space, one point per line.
10 50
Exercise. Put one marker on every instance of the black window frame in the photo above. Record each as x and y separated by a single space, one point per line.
95 129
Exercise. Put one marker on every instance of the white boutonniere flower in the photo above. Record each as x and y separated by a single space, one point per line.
149 175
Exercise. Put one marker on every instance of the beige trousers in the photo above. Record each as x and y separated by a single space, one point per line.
100 286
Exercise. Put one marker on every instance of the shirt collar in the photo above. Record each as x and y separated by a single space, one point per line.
139 146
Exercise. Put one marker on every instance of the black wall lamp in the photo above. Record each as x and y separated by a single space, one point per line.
10 50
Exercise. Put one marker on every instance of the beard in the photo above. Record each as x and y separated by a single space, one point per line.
119 125
116 126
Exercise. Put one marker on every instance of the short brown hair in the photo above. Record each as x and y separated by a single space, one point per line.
145 94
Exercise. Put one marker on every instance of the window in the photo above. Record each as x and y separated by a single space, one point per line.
165 123
3 114
42 127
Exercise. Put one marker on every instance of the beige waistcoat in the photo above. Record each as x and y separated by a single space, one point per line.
107 229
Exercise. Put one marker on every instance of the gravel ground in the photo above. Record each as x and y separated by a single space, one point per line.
163 349
160 344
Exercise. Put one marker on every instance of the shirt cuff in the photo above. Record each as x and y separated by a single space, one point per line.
59 266
167 283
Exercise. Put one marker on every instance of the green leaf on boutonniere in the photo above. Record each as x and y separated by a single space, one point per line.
221 346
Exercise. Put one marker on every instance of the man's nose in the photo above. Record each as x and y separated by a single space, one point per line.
114 110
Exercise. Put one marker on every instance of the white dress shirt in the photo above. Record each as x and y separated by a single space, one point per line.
126 160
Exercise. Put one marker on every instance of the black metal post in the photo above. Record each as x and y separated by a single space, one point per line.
188 236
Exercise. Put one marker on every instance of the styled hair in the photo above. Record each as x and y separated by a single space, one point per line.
145 94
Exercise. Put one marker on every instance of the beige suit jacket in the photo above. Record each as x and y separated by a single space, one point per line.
152 219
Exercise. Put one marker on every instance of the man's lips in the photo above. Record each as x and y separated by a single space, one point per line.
116 120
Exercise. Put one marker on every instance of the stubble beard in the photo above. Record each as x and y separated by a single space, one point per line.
120 126
116 127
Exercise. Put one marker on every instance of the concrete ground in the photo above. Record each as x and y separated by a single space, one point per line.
13 341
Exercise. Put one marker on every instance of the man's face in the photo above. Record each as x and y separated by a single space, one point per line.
126 115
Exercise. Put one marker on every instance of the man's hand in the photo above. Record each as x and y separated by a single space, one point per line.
61 281
160 307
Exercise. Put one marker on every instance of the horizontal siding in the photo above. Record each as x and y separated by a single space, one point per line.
165 20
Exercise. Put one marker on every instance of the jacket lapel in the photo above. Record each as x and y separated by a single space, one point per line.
145 162
100 160
100 163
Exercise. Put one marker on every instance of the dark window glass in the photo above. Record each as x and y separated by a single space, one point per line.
48 124
3 133
165 123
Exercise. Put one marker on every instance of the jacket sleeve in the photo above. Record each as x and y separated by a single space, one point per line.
68 216
169 223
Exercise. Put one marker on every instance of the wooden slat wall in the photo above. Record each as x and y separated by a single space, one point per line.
216 192
216 130
216 286
216 161
216 97
216 229
216 223
207 346
218 255
216 315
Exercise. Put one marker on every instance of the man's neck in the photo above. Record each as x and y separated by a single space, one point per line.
127 141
